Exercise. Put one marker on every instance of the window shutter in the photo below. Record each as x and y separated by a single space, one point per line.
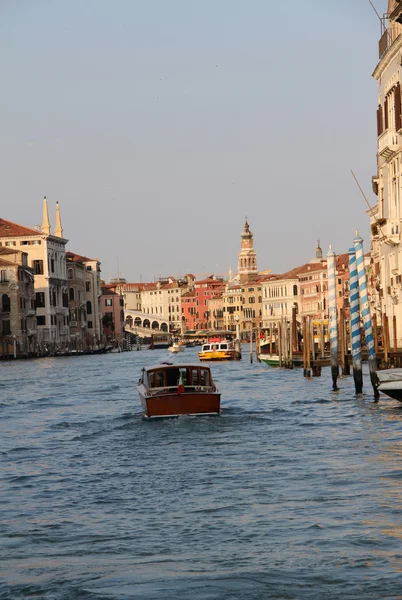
380 128
397 97
386 112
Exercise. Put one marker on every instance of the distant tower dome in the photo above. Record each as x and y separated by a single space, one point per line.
318 252
247 256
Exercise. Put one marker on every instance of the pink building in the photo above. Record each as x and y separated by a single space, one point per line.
113 314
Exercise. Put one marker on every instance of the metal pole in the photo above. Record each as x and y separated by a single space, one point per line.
355 323
365 308
251 343
333 325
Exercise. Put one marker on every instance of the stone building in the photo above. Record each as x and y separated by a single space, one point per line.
18 333
385 218
113 315
76 271
46 256
90 306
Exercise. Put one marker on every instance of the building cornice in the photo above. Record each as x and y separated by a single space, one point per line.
388 56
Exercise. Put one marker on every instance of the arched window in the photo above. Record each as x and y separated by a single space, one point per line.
71 294
89 307
295 290
6 303
70 274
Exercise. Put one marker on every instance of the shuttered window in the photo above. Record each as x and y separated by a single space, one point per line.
386 112
397 97
380 124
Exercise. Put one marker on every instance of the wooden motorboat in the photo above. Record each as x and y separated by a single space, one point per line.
168 390
219 350
390 383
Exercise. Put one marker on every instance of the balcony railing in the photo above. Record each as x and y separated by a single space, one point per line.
388 144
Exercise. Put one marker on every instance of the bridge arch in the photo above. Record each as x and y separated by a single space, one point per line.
146 324
164 327
138 322
155 325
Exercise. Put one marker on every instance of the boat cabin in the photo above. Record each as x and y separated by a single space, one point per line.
216 346
170 377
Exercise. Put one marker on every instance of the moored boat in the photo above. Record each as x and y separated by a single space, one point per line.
175 347
219 350
390 383
168 390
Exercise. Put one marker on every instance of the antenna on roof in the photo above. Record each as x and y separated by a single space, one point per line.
368 204
381 19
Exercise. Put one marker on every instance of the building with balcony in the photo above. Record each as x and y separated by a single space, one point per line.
87 298
18 333
385 274
46 256
113 315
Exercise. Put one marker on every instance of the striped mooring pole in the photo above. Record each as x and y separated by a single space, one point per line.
365 310
355 323
333 321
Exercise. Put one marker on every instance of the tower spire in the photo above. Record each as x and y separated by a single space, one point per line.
58 232
247 256
45 220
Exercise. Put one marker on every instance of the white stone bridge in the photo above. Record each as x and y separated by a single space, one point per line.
143 324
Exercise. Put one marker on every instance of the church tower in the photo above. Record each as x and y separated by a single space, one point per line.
247 268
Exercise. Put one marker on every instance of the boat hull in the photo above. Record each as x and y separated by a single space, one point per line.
273 360
219 355
395 393
187 403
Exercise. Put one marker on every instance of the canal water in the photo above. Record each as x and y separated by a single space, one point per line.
294 492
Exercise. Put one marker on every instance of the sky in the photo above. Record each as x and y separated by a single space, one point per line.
158 125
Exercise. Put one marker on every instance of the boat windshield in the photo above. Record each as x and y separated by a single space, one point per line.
189 376
206 348
224 346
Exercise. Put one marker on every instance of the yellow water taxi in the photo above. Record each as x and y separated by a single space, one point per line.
219 350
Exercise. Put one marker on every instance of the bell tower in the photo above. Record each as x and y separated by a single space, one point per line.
247 256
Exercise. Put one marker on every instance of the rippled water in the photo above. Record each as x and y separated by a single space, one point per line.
294 492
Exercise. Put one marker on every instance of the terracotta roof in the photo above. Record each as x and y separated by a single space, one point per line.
107 291
77 257
4 250
189 295
10 229
7 263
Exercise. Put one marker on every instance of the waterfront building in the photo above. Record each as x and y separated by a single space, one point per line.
163 298
215 311
385 277
281 293
76 271
188 311
18 332
205 290
46 256
112 314
87 297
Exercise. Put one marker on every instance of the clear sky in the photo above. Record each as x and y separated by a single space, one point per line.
159 124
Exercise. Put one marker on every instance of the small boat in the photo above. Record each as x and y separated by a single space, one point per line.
390 383
219 350
272 359
168 390
175 347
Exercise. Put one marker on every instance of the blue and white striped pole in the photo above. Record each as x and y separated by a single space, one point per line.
333 321
355 322
365 308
